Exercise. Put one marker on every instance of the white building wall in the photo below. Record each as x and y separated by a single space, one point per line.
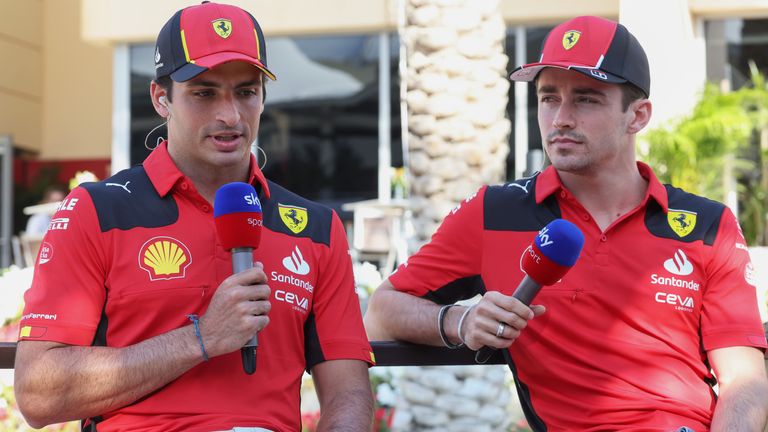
674 43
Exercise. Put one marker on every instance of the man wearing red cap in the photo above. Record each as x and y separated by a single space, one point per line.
659 308
134 320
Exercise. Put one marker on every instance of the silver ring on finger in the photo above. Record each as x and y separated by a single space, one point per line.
500 329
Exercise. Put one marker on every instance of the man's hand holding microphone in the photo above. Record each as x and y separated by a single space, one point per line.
239 308
497 319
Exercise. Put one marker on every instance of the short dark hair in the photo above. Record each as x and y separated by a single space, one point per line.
166 83
629 94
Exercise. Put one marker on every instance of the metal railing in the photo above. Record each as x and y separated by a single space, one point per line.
387 354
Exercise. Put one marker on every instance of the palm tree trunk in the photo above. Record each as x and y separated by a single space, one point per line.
457 100
458 140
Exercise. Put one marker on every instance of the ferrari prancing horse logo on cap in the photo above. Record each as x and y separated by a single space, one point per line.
222 27
570 38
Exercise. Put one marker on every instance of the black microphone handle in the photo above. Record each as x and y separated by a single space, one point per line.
242 259
525 292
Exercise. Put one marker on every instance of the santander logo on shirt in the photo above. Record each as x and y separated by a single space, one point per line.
679 264
295 263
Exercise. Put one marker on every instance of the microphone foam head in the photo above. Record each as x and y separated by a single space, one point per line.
238 217
553 252
560 241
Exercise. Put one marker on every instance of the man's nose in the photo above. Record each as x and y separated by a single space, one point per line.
564 117
227 111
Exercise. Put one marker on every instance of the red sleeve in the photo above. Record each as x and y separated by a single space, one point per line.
336 324
452 260
730 316
67 295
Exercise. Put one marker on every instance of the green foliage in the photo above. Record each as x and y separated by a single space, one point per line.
719 141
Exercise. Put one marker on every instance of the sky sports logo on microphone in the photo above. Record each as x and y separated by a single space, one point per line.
542 240
252 200
544 237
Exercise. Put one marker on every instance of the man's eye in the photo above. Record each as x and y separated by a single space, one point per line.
203 93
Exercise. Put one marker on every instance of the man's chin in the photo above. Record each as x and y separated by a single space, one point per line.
572 165
226 159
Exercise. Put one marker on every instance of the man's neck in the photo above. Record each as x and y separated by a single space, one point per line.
207 183
208 178
607 194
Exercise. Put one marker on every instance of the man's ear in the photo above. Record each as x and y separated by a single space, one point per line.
641 110
159 100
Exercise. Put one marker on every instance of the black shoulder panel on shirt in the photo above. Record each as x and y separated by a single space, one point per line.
459 289
512 207
128 200
698 217
288 213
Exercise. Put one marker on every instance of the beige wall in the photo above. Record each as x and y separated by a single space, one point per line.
21 48
77 84
140 20
120 20
550 12
55 89
729 8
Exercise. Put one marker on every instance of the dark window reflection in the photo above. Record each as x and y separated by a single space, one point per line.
320 127
731 45
534 39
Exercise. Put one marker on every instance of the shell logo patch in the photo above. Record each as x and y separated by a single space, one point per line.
222 27
682 222
295 218
570 38
164 258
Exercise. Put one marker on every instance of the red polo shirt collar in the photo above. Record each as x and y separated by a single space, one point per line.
549 183
164 174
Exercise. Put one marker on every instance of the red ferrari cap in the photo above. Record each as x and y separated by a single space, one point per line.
204 36
599 48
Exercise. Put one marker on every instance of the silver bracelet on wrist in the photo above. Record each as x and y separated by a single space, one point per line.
461 322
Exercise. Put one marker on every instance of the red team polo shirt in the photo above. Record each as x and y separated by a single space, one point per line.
623 343
128 258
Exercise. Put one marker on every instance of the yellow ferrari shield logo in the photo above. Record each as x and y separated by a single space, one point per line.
682 222
295 218
222 27
570 38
